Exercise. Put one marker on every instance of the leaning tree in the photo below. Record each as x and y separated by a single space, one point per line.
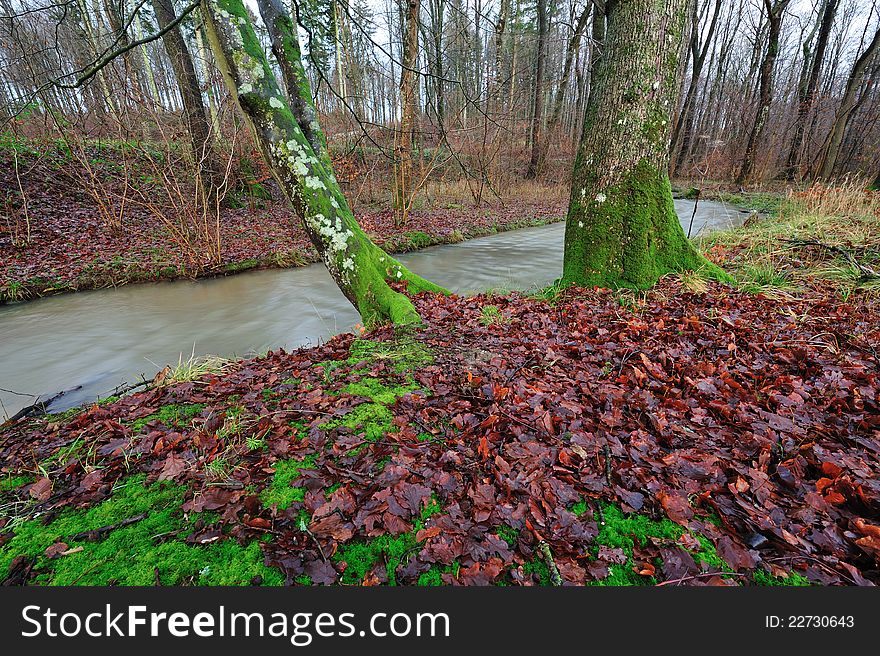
290 139
621 229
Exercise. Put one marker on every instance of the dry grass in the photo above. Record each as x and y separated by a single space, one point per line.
825 234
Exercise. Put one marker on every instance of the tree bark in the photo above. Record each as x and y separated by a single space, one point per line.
622 229
537 110
408 107
362 270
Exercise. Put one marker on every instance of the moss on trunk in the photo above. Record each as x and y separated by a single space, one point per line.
628 235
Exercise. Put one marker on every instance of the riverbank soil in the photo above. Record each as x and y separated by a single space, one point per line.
107 216
682 436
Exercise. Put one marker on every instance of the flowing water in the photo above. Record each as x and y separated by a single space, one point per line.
99 339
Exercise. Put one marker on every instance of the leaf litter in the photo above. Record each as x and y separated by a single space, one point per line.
670 437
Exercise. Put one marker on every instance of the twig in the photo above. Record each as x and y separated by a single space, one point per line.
555 576
694 213
99 533
867 272
305 528
698 576
607 453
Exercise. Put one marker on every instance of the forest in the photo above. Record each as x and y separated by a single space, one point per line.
440 292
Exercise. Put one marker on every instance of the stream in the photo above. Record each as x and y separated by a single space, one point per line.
100 339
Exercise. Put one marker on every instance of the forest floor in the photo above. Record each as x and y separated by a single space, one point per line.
99 220
694 434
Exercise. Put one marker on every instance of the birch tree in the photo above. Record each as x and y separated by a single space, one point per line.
293 145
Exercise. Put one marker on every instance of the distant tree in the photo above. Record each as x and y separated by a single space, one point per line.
537 142
831 148
196 116
807 91
622 229
775 11
409 82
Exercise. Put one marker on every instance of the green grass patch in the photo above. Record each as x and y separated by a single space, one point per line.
9 483
491 314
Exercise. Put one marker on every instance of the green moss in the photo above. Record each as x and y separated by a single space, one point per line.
794 579
173 415
434 576
403 352
280 493
626 531
372 419
244 265
627 235
374 389
509 534
410 241
10 482
131 555
537 567
362 557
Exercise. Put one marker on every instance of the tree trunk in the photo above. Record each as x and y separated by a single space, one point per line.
775 12
191 94
408 89
145 56
831 147
808 93
622 229
537 110
500 26
361 269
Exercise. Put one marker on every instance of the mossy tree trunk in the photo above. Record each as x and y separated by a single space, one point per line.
290 139
622 229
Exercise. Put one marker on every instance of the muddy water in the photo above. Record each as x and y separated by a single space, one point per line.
100 339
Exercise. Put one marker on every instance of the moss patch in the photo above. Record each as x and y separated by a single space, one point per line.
8 483
362 557
280 493
133 554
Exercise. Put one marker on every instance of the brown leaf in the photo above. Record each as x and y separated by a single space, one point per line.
428 533
734 554
41 489
334 526
173 467
644 569
676 506
55 550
